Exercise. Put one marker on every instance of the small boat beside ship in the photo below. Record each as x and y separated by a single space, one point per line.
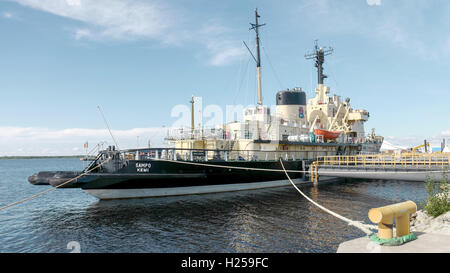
239 155
52 178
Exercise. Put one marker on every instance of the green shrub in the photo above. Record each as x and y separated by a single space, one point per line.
437 202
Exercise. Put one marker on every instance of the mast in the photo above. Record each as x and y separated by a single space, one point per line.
256 26
192 116
319 55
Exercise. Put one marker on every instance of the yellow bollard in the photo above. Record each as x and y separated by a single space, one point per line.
385 230
402 225
384 217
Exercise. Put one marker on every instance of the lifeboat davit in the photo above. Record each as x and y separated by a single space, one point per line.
327 134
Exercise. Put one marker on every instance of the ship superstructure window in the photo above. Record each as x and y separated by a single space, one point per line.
247 133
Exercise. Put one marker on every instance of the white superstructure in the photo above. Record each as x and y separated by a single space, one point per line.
325 125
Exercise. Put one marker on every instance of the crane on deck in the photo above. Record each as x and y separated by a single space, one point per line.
426 145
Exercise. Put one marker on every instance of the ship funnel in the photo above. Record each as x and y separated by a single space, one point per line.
291 105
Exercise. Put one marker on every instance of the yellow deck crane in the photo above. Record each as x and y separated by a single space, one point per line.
423 145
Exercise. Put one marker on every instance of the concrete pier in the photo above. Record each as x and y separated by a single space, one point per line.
406 166
406 173
425 243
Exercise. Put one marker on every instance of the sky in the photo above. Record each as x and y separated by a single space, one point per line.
140 60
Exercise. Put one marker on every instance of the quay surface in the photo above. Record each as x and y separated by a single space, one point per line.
425 243
433 236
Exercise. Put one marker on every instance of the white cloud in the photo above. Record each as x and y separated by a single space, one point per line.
389 24
373 2
222 48
414 141
7 15
111 18
130 20
34 133
83 33
22 141
45 141
227 55
387 146
73 2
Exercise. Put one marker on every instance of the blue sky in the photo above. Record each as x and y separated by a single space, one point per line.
138 59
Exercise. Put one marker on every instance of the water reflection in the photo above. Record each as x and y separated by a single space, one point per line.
268 220
271 220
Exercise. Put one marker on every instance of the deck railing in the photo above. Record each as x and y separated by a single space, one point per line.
211 154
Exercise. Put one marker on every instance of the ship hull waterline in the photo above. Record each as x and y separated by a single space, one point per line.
175 178
109 194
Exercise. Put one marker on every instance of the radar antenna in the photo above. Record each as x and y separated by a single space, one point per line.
319 55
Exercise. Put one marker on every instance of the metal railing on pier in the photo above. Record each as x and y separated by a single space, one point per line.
388 160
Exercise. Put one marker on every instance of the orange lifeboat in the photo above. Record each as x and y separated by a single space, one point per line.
326 134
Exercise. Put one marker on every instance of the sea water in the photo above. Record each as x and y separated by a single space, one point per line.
277 220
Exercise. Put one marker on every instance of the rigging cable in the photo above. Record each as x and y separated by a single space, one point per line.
333 75
241 81
107 125
273 69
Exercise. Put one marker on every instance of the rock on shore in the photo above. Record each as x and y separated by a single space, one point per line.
422 222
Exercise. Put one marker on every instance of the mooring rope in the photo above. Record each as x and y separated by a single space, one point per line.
363 227
358 224
53 188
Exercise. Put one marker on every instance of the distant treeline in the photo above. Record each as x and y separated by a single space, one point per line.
36 157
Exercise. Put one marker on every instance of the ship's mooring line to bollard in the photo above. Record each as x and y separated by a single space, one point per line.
364 227
290 171
53 188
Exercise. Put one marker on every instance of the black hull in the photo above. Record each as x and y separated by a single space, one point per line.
165 174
